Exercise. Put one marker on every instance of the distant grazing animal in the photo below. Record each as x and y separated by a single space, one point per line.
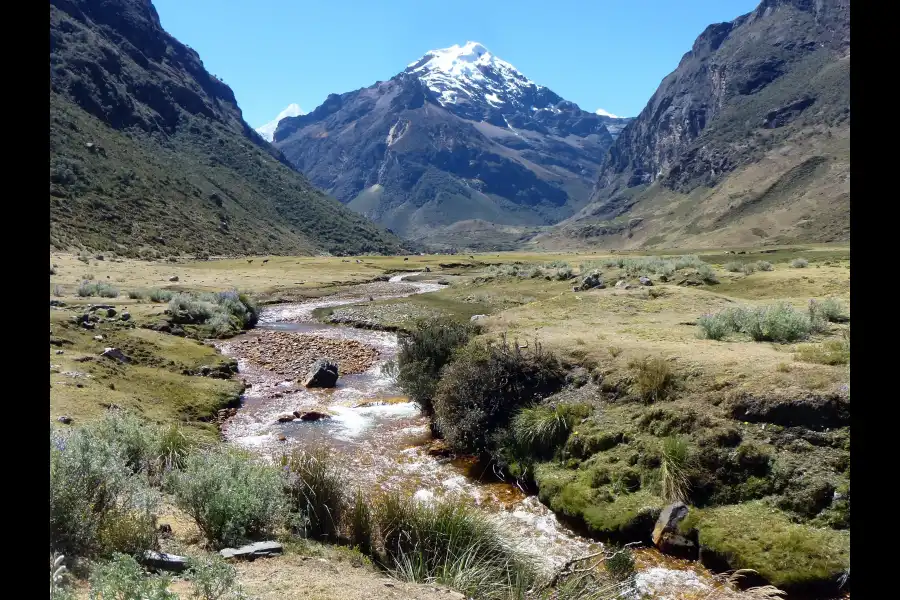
472 257
406 258
265 261
249 261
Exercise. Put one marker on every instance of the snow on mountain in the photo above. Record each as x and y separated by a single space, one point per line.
268 130
471 73
604 113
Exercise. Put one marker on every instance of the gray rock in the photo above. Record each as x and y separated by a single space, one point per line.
253 551
621 283
165 562
65 420
111 312
477 317
125 316
285 418
311 415
324 373
668 538
645 280
115 354
591 281
173 278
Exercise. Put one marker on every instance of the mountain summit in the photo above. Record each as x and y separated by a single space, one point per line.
458 135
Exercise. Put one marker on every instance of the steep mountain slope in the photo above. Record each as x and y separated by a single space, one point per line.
746 142
458 135
150 153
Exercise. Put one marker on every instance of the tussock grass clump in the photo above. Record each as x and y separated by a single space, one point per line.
87 289
159 295
614 351
674 470
449 543
733 266
830 352
359 522
314 488
485 385
100 502
653 379
539 430
231 495
424 352
764 265
799 263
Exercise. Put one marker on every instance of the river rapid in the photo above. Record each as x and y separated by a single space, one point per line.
381 439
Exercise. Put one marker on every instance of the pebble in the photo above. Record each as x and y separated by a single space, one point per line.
292 354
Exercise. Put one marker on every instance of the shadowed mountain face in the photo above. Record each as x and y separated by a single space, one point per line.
150 153
458 135
747 141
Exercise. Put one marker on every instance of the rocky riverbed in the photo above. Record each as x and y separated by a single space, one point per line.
290 355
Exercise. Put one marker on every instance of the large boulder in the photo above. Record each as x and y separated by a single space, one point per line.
161 561
645 280
115 354
592 281
323 374
311 415
253 551
668 538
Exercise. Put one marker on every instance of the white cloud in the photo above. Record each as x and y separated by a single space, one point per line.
604 113
268 130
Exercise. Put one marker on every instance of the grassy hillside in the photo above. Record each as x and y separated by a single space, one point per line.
150 153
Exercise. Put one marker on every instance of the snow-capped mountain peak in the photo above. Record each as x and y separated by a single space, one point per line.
604 113
268 130
470 73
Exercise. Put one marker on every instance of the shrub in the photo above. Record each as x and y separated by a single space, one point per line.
315 493
653 378
58 588
707 274
748 268
449 543
104 290
799 263
776 323
223 312
158 295
564 273
423 354
122 578
715 327
674 464
763 265
733 266
213 578
58 291
830 309
231 495
136 294
485 384
99 504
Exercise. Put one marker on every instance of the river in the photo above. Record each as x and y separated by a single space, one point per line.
382 438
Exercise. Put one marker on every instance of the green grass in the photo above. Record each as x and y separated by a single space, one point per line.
829 352
756 536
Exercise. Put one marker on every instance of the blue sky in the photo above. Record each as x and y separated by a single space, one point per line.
608 54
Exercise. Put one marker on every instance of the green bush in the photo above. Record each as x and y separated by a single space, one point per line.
830 352
158 295
424 352
715 327
733 266
763 265
213 578
748 268
122 578
231 495
315 493
87 289
99 503
136 294
449 543
707 274
484 386
780 322
830 309
799 263
222 312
